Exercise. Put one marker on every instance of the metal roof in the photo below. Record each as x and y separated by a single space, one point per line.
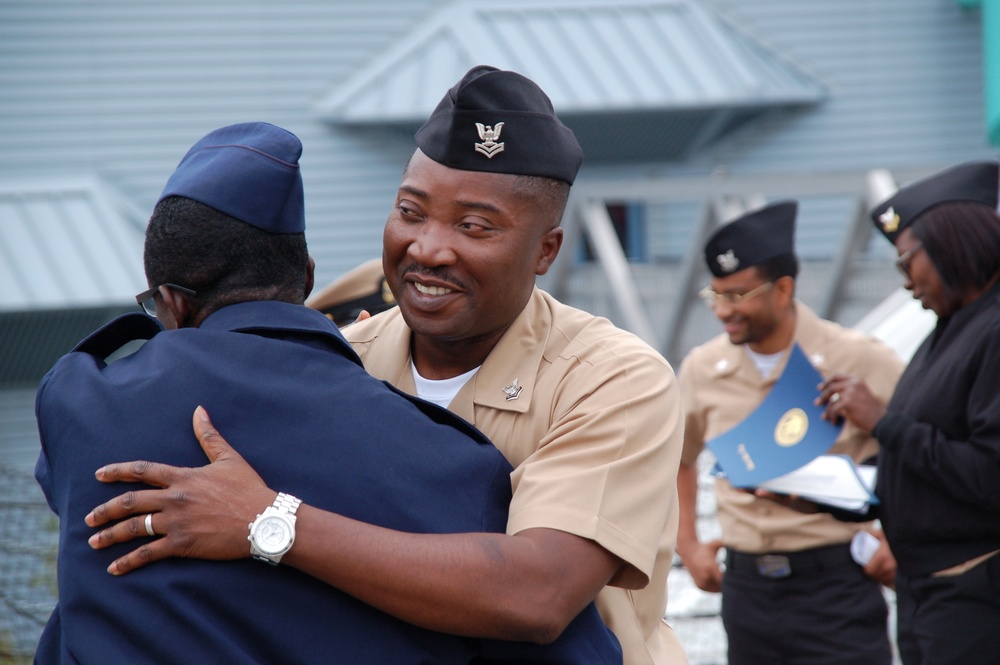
68 243
669 75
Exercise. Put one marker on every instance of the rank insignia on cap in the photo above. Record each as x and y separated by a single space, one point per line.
889 220
971 182
489 135
761 235
513 391
728 261
539 144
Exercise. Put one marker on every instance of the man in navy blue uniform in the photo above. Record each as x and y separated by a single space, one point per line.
228 270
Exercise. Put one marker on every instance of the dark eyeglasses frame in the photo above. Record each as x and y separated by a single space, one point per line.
903 262
147 299
711 298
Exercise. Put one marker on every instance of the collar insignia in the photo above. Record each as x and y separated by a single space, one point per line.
513 391
728 261
489 135
721 364
890 220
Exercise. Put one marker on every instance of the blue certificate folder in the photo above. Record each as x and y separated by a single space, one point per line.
784 433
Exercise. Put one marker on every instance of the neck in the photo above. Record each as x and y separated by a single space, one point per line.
444 359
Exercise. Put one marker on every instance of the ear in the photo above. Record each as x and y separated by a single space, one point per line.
310 278
551 242
784 287
179 310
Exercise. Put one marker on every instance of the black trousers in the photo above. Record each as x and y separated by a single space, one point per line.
815 607
946 620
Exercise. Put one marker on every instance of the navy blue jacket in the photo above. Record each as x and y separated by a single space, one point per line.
292 396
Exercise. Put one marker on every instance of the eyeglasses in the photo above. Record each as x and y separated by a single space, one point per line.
711 298
147 299
903 262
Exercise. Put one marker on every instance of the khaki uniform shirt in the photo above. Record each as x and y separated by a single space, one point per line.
720 386
589 416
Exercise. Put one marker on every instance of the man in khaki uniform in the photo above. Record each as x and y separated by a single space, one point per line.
588 414
809 602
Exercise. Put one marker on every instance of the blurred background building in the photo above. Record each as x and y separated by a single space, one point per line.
690 112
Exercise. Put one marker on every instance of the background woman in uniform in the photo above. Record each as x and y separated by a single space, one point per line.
939 466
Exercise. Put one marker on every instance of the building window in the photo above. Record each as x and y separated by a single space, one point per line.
629 222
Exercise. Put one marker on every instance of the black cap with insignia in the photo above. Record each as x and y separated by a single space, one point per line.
972 182
500 122
756 237
361 288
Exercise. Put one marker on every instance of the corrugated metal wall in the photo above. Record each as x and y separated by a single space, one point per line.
124 88
905 80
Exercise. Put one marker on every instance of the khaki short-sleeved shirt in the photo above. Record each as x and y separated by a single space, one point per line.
720 386
589 416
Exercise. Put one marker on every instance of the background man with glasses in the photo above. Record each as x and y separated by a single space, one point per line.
819 607
226 258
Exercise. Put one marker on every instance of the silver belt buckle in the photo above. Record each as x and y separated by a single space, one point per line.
775 566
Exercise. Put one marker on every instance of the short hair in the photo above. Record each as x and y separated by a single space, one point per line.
774 268
962 240
224 260
549 194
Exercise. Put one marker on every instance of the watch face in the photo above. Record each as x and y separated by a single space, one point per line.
272 534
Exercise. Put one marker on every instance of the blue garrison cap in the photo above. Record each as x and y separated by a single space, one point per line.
756 237
972 182
249 171
500 122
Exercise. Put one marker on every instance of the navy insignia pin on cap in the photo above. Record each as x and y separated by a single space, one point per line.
972 182
487 105
753 238
249 171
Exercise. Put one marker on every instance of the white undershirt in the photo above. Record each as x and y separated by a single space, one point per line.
764 362
440 391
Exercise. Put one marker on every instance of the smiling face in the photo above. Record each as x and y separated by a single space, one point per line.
461 252
763 321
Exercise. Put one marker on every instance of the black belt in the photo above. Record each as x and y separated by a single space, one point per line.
778 565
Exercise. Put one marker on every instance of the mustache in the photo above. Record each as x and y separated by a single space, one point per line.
432 273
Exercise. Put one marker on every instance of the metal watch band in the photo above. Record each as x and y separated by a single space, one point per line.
286 503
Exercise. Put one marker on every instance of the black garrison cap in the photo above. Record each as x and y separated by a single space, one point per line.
753 238
973 182
361 288
500 122
249 171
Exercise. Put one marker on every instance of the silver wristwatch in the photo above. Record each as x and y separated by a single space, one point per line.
273 532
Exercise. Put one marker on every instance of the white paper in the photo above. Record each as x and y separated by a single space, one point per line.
834 480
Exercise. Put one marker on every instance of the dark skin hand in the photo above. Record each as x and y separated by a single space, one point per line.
519 587
849 398
228 489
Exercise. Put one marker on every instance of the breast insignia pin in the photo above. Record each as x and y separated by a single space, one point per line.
513 391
